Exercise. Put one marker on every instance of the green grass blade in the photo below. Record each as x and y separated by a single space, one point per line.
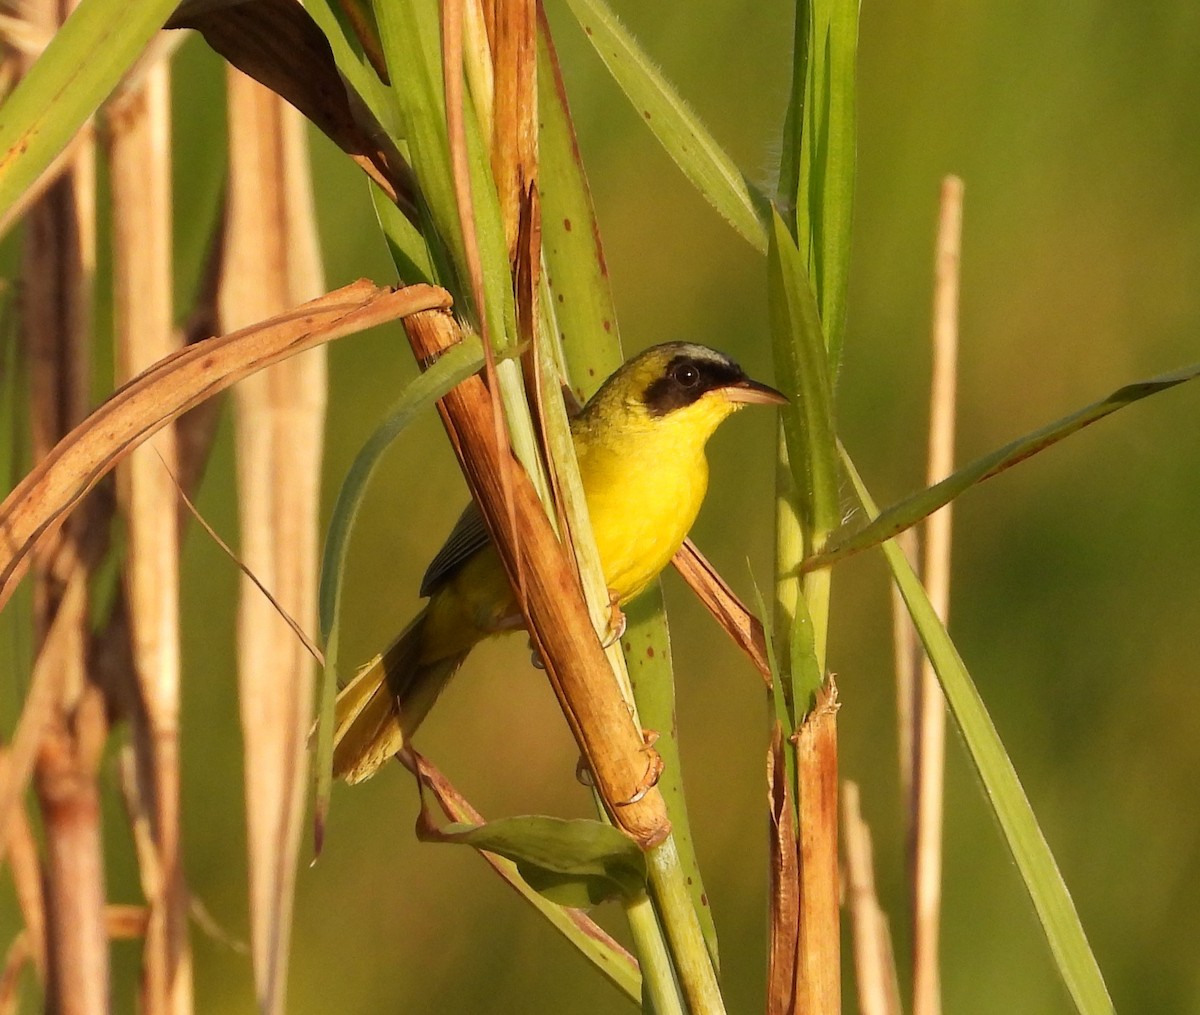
411 37
779 700
581 303
820 153
77 71
647 645
410 253
356 70
456 365
581 320
677 128
791 154
1023 836
919 506
810 475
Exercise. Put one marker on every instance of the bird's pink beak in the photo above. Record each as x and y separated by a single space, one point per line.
751 392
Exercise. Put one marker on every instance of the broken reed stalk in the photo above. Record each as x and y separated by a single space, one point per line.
557 619
784 896
930 709
874 962
512 31
818 944
139 154
271 262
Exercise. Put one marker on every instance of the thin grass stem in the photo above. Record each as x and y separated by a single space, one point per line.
930 710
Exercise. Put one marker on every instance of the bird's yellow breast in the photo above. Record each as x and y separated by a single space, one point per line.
645 481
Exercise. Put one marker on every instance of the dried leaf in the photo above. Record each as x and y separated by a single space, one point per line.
57 483
731 613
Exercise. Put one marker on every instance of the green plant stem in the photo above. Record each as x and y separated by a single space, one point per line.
658 975
678 915
816 588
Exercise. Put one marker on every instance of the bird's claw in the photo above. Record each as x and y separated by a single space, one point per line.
617 621
535 657
654 769
583 774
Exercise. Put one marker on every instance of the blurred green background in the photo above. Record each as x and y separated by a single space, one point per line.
1075 604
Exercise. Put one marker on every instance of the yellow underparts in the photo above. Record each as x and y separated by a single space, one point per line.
644 477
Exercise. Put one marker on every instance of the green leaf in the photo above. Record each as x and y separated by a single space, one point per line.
410 253
817 180
919 506
575 862
647 646
583 319
779 698
1023 836
411 40
808 479
454 366
77 71
677 128
359 74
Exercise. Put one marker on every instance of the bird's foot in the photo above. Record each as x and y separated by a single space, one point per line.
617 621
654 768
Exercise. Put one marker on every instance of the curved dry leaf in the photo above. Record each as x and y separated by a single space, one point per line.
172 386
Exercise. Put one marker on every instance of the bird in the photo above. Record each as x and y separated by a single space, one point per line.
640 445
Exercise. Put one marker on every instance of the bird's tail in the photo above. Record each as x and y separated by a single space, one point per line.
387 700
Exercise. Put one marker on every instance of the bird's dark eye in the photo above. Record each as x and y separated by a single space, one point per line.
686 375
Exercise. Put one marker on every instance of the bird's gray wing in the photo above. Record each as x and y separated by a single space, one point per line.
467 538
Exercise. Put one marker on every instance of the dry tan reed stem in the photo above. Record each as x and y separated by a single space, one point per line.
622 764
58 272
139 153
77 946
874 963
271 261
931 710
818 943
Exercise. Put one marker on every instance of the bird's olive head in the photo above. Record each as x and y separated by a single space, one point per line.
678 374
677 393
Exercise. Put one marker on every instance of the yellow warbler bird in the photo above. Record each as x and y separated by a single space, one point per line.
640 445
